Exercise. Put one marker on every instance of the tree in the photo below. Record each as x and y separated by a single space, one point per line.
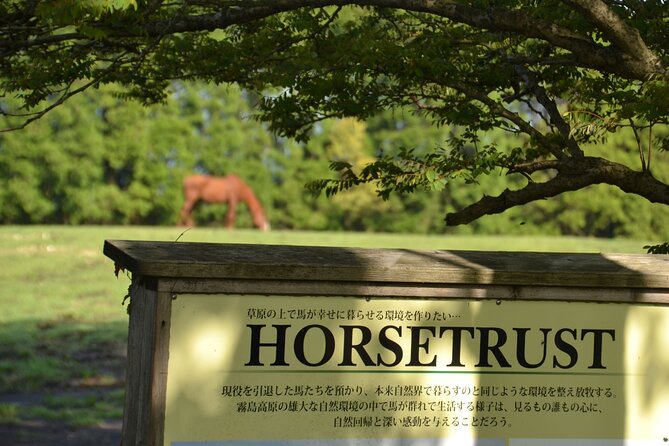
96 159
559 76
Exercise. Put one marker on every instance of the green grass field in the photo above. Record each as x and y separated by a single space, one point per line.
63 327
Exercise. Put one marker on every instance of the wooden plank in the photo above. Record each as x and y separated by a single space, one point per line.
408 290
159 361
309 263
136 421
146 372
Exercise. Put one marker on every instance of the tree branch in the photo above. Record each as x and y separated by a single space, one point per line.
572 175
587 53
617 31
536 166
553 112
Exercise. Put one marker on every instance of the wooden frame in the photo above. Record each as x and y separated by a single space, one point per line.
162 270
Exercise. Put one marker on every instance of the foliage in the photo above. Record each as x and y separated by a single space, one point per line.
98 159
559 78
662 248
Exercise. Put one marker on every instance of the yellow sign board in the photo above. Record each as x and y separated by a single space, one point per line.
288 370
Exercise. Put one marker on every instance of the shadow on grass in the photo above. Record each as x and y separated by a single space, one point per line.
61 378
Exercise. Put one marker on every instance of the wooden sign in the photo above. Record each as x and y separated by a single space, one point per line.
277 345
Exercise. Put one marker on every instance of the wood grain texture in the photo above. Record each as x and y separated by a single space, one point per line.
136 413
159 362
311 263
146 373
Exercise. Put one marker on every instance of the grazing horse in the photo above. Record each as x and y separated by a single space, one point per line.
229 189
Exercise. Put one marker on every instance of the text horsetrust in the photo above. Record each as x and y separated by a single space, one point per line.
414 346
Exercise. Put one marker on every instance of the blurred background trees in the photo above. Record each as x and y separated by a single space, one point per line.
474 109
99 159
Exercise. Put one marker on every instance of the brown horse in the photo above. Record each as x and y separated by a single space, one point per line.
229 189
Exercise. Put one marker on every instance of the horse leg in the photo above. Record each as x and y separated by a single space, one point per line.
186 214
230 216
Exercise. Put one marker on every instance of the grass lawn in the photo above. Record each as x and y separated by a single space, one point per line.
63 328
